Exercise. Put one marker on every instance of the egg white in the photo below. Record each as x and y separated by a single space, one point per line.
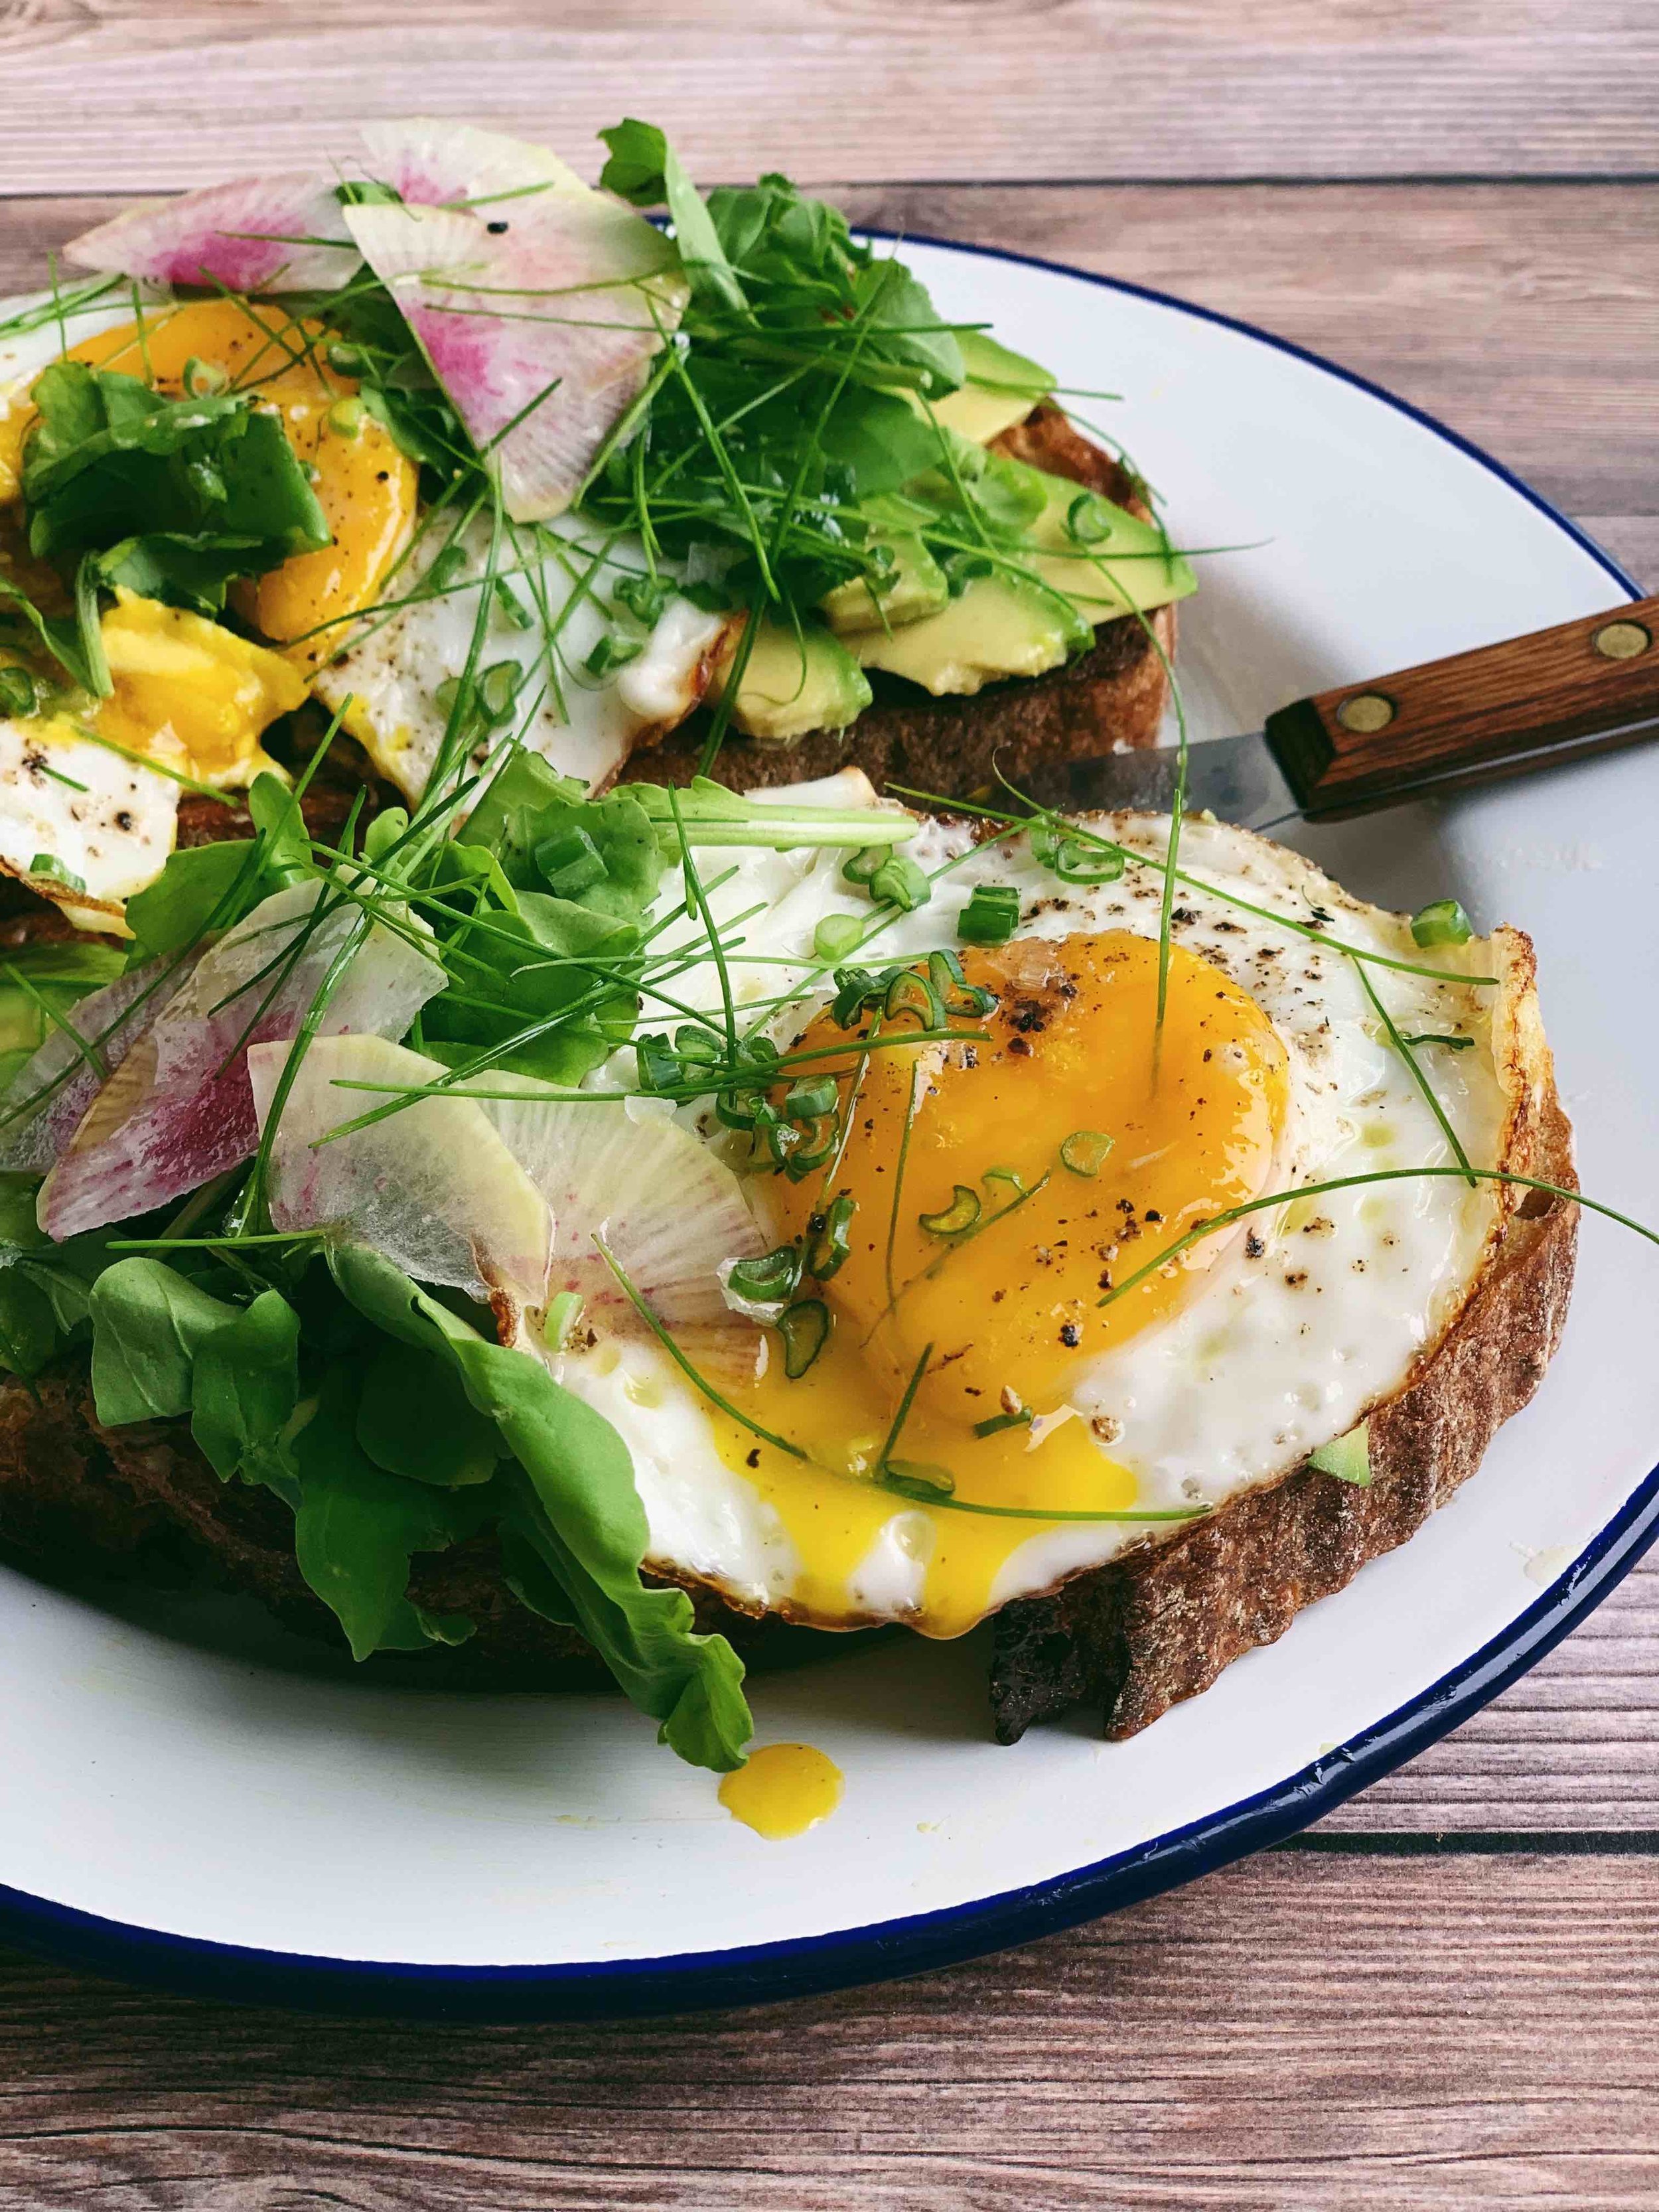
114 833
562 575
1288 1340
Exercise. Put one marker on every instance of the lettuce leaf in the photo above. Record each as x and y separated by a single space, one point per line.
175 496
390 1426
572 1503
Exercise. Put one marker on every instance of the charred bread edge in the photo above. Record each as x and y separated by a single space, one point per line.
1159 1623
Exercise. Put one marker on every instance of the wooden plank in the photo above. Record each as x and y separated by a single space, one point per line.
1352 2035
1522 315
151 95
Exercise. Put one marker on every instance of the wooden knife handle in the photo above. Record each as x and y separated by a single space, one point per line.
1583 687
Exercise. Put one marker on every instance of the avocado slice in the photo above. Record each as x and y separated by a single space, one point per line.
1001 389
1000 626
791 685
916 587
1107 560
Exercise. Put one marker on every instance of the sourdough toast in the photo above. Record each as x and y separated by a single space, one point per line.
1155 1625
1158 1624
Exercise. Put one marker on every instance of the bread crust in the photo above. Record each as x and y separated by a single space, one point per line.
1159 1623
1113 694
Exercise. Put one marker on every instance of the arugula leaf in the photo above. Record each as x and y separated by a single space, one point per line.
205 887
533 827
644 170
357 1527
571 1500
909 329
526 968
880 439
175 496
286 856
173 912
149 1324
415 1420
45 1289
601 854
506 820
245 1387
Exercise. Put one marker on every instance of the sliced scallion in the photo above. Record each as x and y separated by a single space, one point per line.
955 1220
1442 922
804 1329
1085 1151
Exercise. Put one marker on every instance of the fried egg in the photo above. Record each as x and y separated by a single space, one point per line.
1077 1139
88 823
605 684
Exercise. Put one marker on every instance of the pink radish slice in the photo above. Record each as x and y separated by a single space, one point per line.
541 335
179 1109
206 238
102 1021
434 164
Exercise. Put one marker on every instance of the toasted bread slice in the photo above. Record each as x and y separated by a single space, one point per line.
1160 1623
1114 694
1155 1625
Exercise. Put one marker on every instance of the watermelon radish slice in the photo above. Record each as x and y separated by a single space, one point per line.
180 1110
538 301
671 1212
539 314
111 1021
436 164
201 238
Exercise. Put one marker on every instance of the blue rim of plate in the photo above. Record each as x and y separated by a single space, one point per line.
808 1966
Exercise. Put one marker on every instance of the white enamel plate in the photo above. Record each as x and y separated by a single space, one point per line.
190 1804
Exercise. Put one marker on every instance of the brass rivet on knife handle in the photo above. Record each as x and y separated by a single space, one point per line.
1621 641
1584 686
1364 712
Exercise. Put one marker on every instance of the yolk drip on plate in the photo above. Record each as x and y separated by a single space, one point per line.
1051 1159
782 1790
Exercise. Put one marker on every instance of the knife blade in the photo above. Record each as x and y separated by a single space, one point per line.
1535 702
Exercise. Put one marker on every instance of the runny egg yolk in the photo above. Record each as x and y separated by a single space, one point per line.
189 693
1054 1157
364 484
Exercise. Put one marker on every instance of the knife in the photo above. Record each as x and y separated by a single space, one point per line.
1557 694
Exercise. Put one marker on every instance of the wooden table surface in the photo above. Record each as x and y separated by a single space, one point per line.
1445 1996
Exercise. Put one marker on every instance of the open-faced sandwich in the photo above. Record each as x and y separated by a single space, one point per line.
574 1226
